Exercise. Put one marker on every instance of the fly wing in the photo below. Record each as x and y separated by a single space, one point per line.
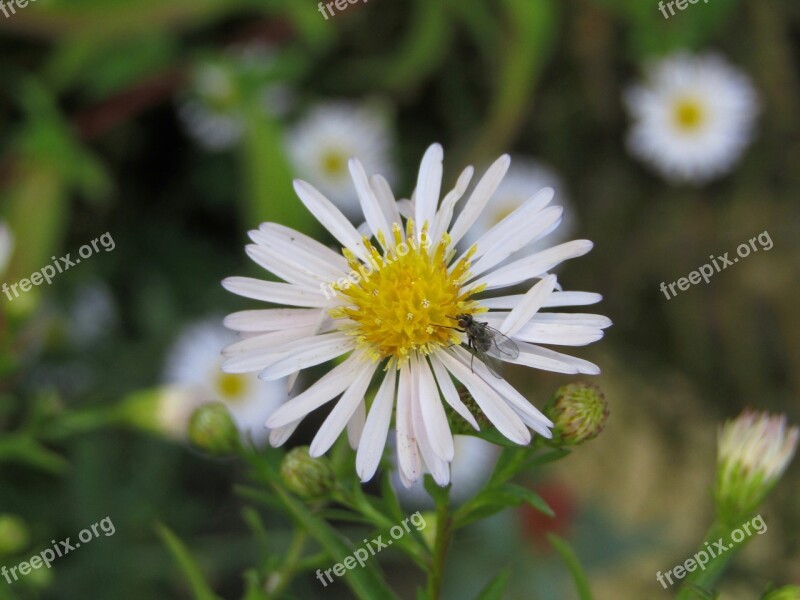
503 347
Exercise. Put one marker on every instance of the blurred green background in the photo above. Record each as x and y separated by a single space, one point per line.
96 138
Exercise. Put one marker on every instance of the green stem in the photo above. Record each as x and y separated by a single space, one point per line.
444 531
290 566
707 577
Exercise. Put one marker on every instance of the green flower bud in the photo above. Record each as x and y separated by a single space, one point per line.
790 592
212 429
753 452
13 535
579 412
306 476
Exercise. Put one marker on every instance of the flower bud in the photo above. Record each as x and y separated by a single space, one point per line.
753 452
306 476
579 412
212 429
790 592
13 535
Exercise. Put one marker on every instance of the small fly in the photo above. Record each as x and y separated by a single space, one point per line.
485 342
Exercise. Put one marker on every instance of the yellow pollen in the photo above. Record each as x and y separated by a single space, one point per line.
689 114
334 163
231 386
407 296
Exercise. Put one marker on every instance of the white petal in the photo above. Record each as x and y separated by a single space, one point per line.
263 341
383 192
279 435
529 306
549 360
406 208
429 184
256 352
307 352
408 458
432 411
583 319
559 334
534 265
490 402
305 248
330 385
479 198
364 230
369 203
281 264
341 413
331 218
355 426
526 213
445 213
272 319
556 299
450 393
515 237
435 465
275 292
376 428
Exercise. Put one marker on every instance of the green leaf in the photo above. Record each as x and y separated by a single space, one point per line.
571 560
530 497
22 449
494 589
200 588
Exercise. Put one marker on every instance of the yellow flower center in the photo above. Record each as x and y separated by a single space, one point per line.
334 163
231 386
689 114
405 299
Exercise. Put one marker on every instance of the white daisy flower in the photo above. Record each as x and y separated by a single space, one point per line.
6 246
525 176
473 463
394 316
320 145
194 373
693 117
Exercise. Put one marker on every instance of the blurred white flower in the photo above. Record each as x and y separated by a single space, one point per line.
693 117
754 451
320 145
194 372
212 112
525 177
6 246
472 465
92 314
